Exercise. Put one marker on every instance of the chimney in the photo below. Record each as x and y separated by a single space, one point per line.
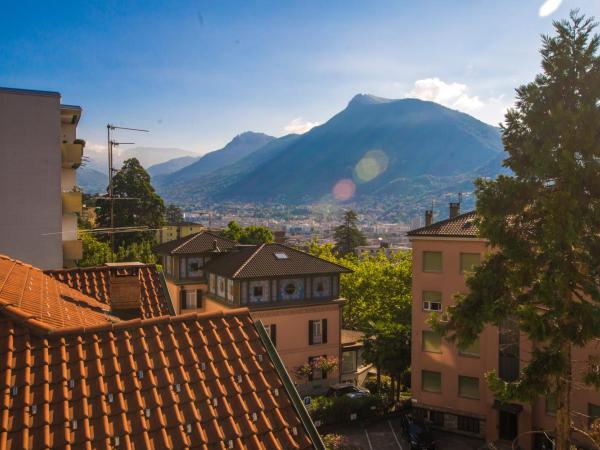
428 217
454 209
125 287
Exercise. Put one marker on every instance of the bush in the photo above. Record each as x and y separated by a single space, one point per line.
338 409
386 385
337 442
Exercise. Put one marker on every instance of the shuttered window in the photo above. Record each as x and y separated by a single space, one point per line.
432 261
432 342
471 350
469 261
468 387
431 381
317 332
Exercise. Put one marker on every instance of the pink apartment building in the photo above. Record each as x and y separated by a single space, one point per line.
448 385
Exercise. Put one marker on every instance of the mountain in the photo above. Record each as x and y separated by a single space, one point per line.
91 181
239 147
384 146
208 184
147 156
170 166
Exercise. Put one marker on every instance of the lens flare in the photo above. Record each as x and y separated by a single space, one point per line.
344 190
373 164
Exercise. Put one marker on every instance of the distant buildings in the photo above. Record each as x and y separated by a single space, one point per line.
386 248
294 294
448 384
39 155
173 231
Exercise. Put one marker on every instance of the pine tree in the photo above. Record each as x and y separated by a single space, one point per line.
347 235
543 226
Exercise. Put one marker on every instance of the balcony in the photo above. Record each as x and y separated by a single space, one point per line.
71 155
72 202
72 250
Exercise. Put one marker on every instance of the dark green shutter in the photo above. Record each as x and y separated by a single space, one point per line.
274 334
199 298
324 330
310 332
182 304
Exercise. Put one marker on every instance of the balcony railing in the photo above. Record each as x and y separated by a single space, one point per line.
72 250
72 202
71 155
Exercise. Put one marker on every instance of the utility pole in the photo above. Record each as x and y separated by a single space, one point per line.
111 170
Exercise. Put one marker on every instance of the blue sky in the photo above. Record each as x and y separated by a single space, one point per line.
196 73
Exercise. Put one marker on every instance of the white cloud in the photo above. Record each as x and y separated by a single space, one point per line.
549 7
456 96
453 95
299 126
95 148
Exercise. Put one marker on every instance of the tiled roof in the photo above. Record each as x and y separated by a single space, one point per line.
263 261
190 381
352 337
72 376
34 298
95 282
202 242
462 225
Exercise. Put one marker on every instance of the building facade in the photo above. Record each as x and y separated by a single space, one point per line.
173 231
448 383
294 294
40 153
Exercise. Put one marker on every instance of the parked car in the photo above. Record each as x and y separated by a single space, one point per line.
346 389
417 433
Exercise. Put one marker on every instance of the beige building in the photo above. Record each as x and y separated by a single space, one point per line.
448 384
172 231
39 155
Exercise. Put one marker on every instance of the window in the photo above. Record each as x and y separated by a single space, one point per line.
468 424
272 332
191 299
257 291
432 261
471 350
317 374
321 287
317 332
551 405
349 361
230 290
432 342
290 288
281 255
593 412
194 267
431 381
468 387
181 261
221 287
469 261
432 301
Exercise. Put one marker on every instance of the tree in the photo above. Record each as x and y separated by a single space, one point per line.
140 204
347 235
252 234
174 214
95 252
542 224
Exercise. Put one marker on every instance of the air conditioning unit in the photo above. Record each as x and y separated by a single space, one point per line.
432 306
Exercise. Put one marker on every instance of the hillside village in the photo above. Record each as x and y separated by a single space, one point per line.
400 276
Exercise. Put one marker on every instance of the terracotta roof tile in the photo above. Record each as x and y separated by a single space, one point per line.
196 243
166 382
95 282
460 226
268 260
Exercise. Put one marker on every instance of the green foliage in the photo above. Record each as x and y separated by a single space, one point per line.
252 234
337 442
347 235
137 251
173 214
543 223
331 410
140 204
95 252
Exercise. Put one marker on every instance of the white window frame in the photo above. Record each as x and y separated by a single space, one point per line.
191 298
317 332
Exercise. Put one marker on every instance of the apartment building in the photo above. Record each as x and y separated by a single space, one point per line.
294 294
173 231
448 384
39 153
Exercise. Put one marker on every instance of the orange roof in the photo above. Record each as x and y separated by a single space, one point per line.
188 381
461 226
95 282
30 296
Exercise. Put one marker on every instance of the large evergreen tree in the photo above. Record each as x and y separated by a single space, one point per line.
137 204
347 235
543 224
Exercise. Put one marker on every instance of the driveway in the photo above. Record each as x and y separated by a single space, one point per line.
387 435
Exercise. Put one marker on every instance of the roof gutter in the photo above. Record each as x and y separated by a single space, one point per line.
289 387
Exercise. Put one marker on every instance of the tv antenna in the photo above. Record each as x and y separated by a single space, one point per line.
111 170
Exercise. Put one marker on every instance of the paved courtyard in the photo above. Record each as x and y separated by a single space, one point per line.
387 435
